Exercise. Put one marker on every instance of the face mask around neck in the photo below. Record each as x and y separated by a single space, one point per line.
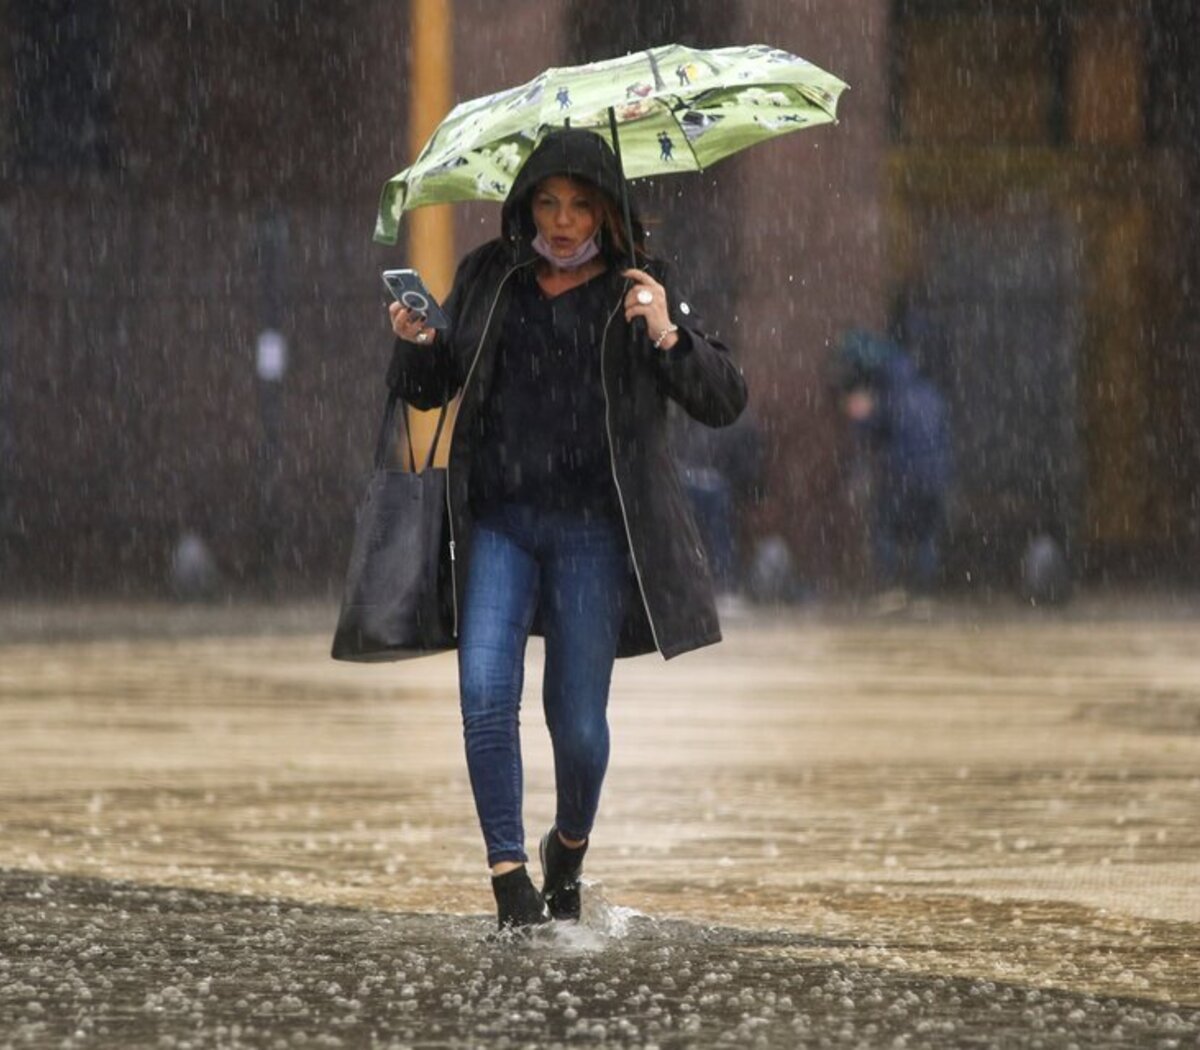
585 253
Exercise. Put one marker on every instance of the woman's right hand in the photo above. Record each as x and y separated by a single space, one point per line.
410 326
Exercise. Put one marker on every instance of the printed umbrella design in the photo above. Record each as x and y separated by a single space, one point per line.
678 109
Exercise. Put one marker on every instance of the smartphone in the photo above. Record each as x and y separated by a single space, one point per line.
410 291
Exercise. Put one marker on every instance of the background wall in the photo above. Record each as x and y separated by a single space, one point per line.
178 176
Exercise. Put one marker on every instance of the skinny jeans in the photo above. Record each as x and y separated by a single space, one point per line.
574 571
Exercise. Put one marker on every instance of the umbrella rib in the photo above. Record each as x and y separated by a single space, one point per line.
681 103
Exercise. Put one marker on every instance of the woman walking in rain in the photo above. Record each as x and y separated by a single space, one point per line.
567 518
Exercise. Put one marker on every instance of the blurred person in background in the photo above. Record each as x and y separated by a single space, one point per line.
899 419
567 515
722 473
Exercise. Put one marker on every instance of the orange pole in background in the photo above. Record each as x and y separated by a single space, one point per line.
430 231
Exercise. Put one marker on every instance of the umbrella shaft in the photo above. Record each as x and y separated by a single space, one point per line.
616 144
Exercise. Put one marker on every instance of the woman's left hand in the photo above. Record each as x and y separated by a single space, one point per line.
647 298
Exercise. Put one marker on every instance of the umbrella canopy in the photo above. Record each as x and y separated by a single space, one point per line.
678 109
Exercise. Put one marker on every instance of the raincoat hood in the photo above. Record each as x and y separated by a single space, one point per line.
864 359
577 154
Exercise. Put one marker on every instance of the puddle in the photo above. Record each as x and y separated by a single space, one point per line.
843 811
88 963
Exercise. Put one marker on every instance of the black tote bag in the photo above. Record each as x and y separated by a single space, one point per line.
398 601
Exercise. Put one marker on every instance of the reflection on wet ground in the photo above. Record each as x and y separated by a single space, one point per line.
848 833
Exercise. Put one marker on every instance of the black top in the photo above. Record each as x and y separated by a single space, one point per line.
541 435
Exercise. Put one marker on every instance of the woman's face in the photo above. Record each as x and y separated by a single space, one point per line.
565 214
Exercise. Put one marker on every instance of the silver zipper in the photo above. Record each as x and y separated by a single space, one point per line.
612 459
449 454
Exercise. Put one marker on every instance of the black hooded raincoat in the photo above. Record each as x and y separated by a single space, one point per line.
676 611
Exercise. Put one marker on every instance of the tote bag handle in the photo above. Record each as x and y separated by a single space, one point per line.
387 429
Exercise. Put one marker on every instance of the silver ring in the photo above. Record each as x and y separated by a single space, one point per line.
422 337
644 297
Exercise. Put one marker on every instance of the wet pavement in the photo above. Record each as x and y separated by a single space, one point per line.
826 832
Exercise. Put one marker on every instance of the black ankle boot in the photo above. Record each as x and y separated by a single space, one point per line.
517 902
561 868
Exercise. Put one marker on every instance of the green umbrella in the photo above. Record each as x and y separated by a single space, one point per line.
678 109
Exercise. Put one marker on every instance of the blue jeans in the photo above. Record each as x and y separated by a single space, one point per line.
577 572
